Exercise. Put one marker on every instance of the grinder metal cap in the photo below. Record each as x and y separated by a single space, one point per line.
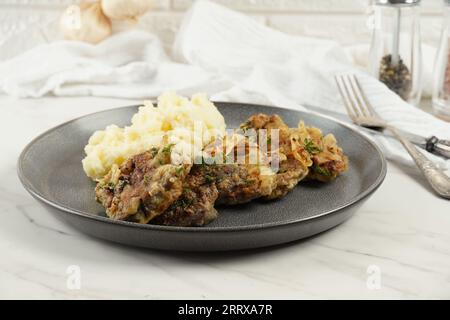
398 2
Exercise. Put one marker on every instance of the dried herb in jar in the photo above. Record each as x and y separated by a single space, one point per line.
396 77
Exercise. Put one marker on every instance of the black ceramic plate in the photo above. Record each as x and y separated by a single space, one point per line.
50 169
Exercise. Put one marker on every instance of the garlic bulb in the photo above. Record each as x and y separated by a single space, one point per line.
85 22
125 9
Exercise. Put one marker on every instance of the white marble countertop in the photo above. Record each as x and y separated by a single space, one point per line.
403 231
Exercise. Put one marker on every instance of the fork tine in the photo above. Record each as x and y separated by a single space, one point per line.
351 111
363 96
356 95
352 96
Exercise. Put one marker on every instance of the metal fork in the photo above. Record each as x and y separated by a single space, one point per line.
363 114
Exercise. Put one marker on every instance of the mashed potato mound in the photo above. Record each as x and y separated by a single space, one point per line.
187 124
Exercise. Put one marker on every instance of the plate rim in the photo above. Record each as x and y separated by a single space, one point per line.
30 189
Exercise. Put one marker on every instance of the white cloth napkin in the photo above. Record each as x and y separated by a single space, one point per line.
221 52
127 65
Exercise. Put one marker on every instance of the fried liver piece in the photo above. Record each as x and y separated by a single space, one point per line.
293 159
143 187
210 184
243 175
328 159
239 183
195 206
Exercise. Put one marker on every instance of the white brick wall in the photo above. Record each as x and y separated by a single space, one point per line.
342 20
274 6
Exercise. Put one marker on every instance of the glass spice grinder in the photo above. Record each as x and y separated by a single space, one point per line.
395 54
441 74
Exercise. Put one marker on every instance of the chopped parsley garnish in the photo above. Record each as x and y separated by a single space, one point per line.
110 186
183 203
168 148
209 179
322 171
186 189
179 170
147 178
311 147
154 151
